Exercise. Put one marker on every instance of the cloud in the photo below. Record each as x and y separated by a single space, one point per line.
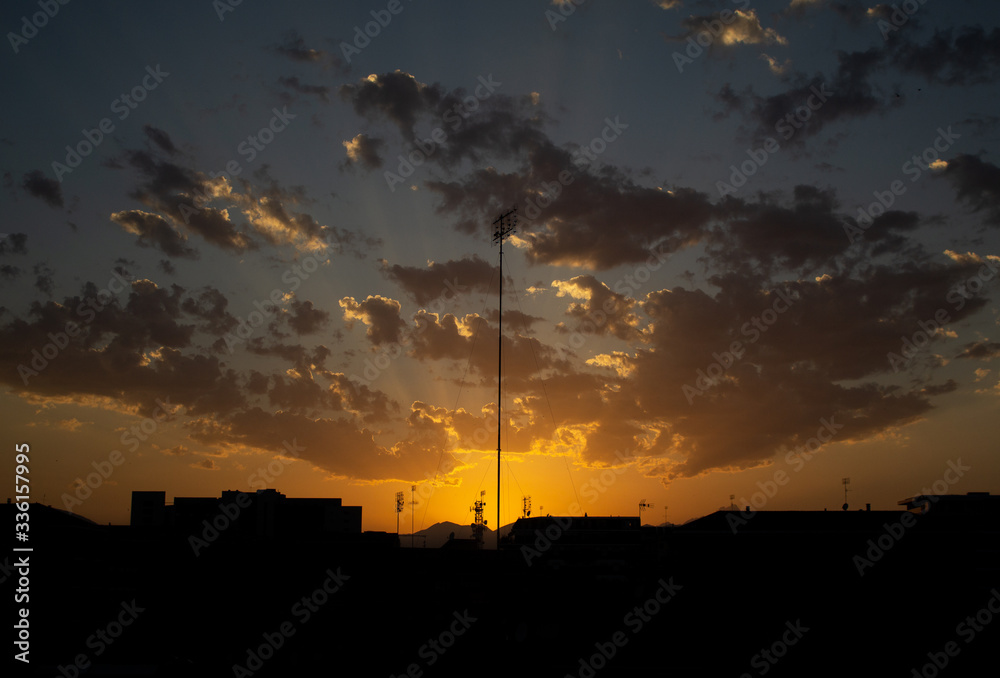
205 465
603 310
981 350
380 314
160 138
739 27
14 243
364 150
322 92
154 231
971 57
183 195
49 191
437 279
305 318
397 97
977 183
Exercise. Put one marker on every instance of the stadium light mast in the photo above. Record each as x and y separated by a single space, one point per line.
505 225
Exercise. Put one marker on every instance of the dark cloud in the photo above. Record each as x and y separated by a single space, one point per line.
293 46
43 279
981 350
13 243
977 183
966 56
397 97
810 104
210 305
160 138
364 150
442 279
306 318
154 231
38 185
183 195
603 311
129 352
321 92
380 314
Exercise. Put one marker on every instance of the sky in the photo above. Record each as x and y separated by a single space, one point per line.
248 246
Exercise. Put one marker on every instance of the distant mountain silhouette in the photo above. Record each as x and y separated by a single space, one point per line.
438 533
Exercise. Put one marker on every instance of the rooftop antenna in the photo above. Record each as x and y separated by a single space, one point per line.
479 525
505 225
846 482
399 509
413 510
643 504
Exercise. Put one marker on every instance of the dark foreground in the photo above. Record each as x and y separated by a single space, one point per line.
789 594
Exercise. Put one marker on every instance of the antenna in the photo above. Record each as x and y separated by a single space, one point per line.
479 525
413 510
526 507
505 225
732 503
399 509
846 482
643 504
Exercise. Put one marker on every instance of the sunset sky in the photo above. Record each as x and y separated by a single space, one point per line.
757 247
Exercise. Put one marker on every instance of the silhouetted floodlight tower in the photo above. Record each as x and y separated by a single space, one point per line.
732 503
399 509
643 504
413 510
526 507
505 225
846 482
